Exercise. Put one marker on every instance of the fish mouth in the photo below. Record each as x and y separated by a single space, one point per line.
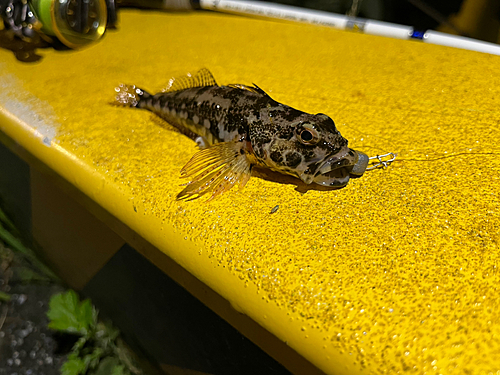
339 169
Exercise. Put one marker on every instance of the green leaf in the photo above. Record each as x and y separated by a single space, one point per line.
87 314
128 357
27 275
79 345
17 245
112 331
4 219
4 296
92 360
106 334
110 366
73 366
119 370
67 314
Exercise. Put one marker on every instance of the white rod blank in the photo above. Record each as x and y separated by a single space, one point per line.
338 21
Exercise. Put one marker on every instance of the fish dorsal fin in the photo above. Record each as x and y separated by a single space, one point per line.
201 78
216 169
256 89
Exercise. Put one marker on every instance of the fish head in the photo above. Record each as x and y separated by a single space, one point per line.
311 148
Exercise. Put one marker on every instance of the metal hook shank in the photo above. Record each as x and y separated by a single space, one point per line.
383 161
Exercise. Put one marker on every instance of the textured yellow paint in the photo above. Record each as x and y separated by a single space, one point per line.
396 272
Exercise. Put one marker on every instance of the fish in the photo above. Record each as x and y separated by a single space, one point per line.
239 127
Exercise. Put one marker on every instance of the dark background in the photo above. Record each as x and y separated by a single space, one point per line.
482 16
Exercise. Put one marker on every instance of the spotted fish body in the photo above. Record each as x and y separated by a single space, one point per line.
241 126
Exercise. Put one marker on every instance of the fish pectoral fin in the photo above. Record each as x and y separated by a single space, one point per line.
202 78
215 170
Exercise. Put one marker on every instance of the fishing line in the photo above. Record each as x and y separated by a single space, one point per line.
385 160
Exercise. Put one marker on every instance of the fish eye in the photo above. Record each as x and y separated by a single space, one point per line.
307 134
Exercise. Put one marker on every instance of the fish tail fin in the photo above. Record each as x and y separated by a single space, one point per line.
129 95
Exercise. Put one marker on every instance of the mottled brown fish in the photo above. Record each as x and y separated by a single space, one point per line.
238 127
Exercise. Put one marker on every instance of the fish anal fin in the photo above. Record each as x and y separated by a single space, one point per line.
171 124
202 78
215 170
163 123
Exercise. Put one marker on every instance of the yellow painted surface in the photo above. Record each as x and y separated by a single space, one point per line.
399 271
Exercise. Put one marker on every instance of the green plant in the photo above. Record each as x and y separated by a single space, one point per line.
98 350
11 237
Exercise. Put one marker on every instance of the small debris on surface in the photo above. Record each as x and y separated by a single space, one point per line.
27 346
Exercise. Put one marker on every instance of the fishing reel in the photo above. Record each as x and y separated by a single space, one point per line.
75 23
